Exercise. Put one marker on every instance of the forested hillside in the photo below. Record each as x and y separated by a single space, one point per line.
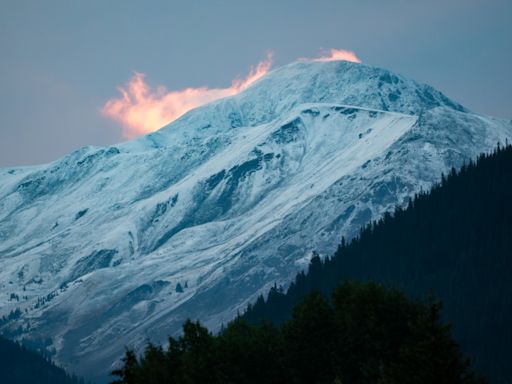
454 242
22 366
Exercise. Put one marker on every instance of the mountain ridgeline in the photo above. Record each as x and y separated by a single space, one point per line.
454 242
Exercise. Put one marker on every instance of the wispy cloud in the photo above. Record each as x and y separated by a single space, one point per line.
140 109
336 55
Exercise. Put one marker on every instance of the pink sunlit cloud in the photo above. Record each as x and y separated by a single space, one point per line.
141 110
336 55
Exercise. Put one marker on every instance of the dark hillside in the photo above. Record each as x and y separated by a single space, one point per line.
454 242
19 365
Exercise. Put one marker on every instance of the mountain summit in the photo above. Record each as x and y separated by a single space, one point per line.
107 247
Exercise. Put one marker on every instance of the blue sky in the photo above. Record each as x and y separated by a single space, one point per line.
62 60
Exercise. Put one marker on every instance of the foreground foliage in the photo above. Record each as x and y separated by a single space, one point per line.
365 333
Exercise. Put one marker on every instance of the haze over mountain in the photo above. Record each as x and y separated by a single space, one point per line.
107 247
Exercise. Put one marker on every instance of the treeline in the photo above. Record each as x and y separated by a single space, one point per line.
19 365
454 241
365 333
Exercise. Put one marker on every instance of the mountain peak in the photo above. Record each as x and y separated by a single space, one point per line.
335 82
231 197
299 83
349 83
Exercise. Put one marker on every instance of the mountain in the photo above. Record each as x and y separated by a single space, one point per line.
107 247
453 242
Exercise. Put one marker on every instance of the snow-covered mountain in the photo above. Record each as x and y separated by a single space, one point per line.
107 247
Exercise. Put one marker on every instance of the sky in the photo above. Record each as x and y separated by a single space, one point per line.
63 62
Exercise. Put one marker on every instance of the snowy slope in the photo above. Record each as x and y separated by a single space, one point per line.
109 246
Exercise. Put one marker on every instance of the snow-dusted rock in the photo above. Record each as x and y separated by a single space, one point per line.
107 247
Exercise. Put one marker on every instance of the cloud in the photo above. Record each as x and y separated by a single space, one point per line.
335 55
140 109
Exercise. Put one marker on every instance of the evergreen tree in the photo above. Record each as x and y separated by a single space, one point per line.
128 373
429 355
310 339
368 334
197 350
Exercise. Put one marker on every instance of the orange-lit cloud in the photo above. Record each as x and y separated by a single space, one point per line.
141 110
336 54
